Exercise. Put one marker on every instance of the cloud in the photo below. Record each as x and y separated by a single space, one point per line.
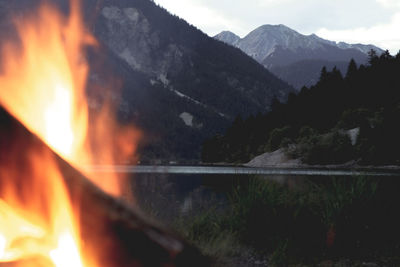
203 17
356 21
271 3
389 3
386 36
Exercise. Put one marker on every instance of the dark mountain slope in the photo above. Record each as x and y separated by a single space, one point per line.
179 85
175 54
285 56
306 72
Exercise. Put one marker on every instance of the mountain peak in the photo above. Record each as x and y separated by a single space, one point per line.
227 37
286 52
227 33
275 28
264 41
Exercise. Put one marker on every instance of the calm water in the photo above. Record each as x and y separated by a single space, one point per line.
240 170
171 191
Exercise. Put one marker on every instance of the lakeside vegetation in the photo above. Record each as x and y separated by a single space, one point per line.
352 218
314 124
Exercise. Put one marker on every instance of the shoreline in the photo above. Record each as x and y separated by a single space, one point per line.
250 170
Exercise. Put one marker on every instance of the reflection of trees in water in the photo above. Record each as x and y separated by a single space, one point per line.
167 196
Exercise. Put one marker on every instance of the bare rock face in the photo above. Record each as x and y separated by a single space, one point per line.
125 28
127 32
277 158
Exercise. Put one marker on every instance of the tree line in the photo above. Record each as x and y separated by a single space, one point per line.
314 124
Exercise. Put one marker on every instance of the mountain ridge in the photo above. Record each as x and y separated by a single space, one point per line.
280 47
281 31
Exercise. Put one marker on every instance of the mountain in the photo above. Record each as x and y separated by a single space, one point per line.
178 85
283 50
228 37
361 47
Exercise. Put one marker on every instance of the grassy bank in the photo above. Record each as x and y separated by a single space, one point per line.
326 219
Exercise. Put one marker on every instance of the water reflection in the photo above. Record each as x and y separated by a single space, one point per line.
167 196
243 170
167 192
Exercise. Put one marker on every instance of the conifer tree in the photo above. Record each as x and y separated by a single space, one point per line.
324 75
351 69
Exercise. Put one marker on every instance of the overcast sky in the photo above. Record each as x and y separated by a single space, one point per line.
353 21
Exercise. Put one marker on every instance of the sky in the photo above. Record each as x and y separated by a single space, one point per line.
353 21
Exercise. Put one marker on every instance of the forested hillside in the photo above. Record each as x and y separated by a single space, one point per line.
340 119
178 85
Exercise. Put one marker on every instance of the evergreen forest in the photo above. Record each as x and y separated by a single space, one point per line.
342 118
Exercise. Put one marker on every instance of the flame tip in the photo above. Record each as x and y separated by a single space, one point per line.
43 85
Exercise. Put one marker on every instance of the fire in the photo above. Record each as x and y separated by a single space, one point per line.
60 135
43 84
45 226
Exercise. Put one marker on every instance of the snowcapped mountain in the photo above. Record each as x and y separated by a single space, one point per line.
281 49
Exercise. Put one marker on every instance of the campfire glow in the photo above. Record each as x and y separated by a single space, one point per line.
46 226
42 84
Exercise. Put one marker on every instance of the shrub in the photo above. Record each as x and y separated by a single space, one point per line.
331 148
277 136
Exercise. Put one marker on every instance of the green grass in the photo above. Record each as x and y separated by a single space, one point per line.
208 231
330 218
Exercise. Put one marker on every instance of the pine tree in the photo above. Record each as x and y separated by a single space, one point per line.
336 74
324 75
372 57
351 69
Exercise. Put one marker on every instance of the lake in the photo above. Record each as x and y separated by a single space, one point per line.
168 192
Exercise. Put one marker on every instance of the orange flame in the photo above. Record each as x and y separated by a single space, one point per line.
45 225
43 85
